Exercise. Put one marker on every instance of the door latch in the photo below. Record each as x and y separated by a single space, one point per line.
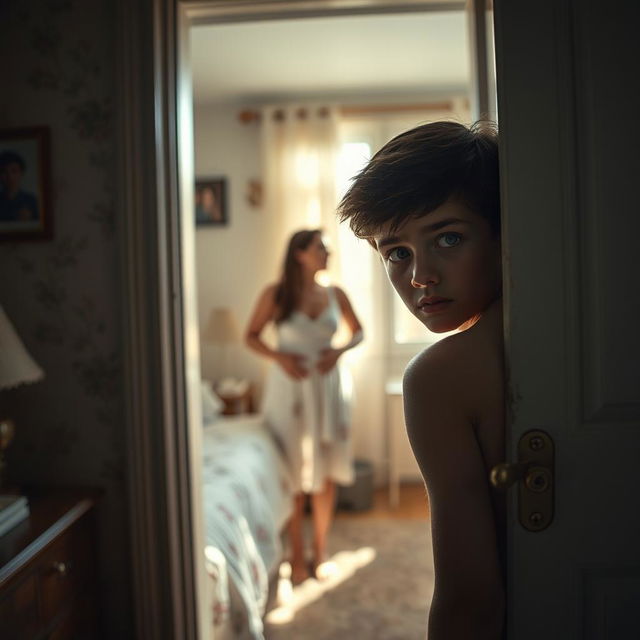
533 474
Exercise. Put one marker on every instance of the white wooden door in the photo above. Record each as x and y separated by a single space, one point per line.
569 110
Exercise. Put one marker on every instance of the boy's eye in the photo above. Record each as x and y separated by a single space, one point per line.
448 240
398 254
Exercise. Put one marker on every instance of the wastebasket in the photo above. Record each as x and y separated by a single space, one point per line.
359 495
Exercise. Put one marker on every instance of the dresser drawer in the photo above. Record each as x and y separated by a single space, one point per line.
65 570
48 570
19 610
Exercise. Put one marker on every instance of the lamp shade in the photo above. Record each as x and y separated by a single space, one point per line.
16 365
222 327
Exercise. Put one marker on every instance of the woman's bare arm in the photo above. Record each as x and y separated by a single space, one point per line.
329 357
351 319
263 313
468 599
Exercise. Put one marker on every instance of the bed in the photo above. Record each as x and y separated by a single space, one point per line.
247 502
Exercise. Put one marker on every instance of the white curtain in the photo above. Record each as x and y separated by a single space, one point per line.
299 155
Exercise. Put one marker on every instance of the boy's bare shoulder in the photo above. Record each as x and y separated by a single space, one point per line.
443 362
432 389
462 372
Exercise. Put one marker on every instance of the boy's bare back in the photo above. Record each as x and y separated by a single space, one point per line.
473 362
454 410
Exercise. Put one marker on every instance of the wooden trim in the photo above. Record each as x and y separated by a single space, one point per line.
158 463
209 11
38 544
139 408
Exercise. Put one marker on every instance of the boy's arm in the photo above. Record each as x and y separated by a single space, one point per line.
468 601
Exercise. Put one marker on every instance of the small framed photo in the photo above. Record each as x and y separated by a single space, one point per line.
211 201
25 184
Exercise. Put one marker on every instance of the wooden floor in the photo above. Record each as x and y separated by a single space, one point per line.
413 505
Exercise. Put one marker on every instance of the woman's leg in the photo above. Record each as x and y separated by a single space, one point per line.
299 571
323 504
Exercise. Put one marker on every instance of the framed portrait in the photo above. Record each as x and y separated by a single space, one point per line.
211 201
25 184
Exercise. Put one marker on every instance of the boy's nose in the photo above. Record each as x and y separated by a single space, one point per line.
423 283
423 276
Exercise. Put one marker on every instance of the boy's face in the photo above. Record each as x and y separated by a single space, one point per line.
445 265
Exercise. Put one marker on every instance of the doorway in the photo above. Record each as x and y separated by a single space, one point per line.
232 64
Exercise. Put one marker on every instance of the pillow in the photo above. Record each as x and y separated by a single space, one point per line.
211 405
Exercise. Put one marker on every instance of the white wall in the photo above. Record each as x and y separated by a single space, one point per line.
233 263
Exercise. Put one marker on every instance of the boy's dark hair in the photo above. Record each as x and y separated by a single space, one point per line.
418 170
8 156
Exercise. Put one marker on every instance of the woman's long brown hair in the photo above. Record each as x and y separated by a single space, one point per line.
290 285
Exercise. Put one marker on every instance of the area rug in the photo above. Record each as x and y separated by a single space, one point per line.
379 589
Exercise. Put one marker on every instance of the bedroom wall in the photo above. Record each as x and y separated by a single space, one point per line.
225 147
63 295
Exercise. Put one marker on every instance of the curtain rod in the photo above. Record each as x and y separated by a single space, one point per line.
247 116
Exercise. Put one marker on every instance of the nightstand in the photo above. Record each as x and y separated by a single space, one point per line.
47 569
237 403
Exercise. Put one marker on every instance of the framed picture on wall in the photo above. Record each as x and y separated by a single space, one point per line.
25 184
211 201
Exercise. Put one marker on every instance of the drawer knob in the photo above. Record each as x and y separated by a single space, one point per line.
61 568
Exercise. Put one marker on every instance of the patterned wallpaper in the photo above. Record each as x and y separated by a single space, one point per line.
63 295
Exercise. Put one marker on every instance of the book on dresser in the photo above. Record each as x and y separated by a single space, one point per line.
13 510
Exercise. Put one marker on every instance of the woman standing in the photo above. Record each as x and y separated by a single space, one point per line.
304 404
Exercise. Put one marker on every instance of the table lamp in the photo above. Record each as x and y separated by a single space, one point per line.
222 330
16 367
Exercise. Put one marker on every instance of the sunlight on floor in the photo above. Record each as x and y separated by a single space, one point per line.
336 570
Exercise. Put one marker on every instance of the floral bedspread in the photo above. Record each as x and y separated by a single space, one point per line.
247 501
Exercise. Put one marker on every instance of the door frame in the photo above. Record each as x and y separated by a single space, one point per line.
161 394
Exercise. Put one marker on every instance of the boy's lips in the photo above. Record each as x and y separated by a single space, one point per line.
431 304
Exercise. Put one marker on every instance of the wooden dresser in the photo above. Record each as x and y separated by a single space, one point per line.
48 569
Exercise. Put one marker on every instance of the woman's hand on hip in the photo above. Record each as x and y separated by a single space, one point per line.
292 363
328 359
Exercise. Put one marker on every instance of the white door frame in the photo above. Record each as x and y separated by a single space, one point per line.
155 162
161 529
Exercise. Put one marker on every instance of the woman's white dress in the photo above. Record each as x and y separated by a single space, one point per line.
310 417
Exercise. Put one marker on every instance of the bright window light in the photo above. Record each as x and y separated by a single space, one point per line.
344 565
353 156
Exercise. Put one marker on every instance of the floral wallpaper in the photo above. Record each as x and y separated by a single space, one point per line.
62 295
